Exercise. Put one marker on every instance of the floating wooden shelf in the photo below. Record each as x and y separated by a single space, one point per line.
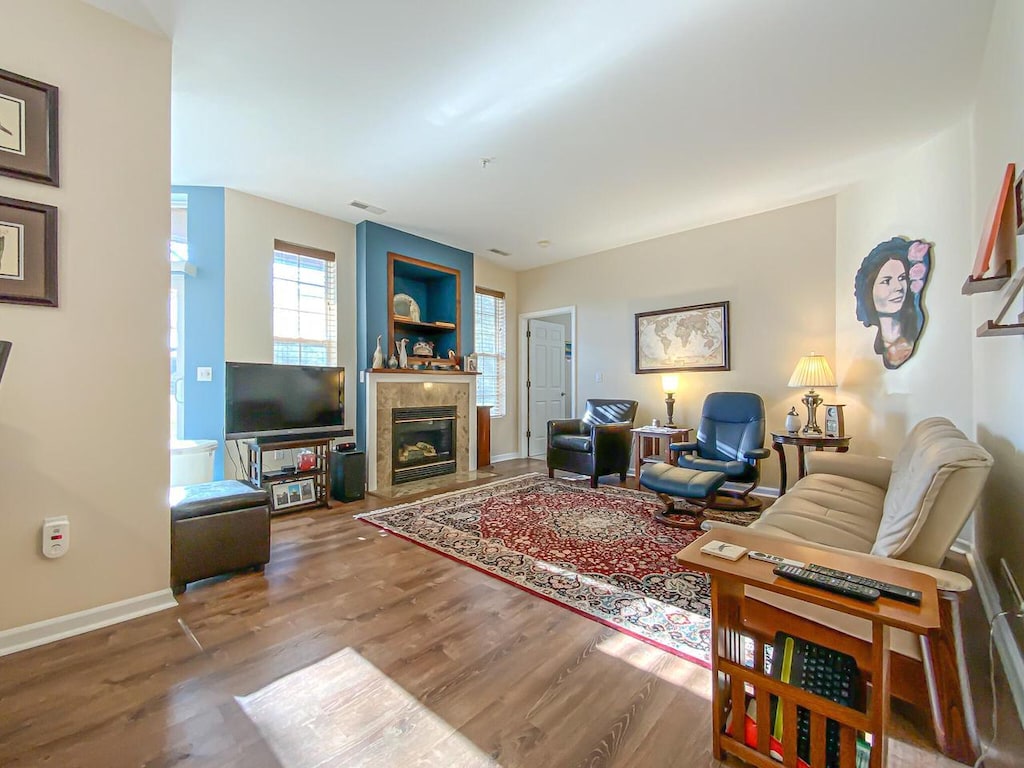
992 328
973 285
407 323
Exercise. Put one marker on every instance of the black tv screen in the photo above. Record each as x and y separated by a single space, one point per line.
264 400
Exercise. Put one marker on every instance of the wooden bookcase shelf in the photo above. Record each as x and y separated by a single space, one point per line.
436 290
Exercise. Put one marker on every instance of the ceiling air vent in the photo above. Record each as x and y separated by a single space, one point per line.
367 207
499 252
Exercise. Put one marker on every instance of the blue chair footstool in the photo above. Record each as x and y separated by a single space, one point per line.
697 486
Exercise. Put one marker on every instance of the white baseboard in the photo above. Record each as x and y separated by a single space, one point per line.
505 457
1013 662
51 630
962 546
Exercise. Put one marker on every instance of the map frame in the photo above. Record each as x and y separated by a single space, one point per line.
719 361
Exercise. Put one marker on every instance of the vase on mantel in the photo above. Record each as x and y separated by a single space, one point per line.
378 356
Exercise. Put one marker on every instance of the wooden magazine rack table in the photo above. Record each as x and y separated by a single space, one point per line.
739 619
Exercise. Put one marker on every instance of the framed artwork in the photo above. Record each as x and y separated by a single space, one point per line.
28 253
293 494
683 339
28 129
889 292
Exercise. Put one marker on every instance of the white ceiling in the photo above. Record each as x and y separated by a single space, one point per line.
609 122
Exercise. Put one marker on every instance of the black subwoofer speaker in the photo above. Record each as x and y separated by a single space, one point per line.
348 475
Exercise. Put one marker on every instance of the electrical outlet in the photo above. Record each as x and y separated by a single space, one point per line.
1014 589
204 373
598 377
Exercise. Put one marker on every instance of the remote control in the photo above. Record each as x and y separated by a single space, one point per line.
894 591
839 586
775 559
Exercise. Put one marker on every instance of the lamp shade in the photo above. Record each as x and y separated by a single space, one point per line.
669 383
812 371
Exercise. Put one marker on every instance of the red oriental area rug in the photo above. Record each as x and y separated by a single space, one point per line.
596 551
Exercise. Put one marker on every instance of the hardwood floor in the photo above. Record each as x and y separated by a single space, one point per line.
380 652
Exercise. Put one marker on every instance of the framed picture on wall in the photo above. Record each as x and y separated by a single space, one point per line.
28 129
694 338
28 252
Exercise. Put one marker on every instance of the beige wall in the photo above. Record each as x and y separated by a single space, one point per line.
927 196
778 271
503 430
251 224
999 362
83 405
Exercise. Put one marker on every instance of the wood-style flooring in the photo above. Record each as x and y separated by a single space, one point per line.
361 645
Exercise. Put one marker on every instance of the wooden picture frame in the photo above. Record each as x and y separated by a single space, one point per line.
29 129
28 253
694 338
999 236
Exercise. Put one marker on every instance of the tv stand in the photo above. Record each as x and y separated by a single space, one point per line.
320 474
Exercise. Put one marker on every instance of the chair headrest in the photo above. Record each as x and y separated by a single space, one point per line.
733 407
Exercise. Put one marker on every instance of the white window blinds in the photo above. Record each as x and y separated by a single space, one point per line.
305 306
490 349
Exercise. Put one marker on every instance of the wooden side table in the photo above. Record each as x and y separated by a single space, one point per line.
647 443
801 441
738 619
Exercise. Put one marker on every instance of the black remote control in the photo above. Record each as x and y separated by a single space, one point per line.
839 586
895 591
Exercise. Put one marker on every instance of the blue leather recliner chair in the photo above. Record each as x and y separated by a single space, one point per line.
730 439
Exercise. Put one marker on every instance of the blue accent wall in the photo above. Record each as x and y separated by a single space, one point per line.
204 319
373 243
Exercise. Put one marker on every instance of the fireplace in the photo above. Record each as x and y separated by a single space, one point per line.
423 442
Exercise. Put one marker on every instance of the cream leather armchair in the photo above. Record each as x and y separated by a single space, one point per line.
905 512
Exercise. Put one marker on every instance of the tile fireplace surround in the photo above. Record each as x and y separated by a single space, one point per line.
385 391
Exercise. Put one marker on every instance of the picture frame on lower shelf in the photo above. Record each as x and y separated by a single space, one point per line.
292 493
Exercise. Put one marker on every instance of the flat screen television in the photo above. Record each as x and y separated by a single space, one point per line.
264 400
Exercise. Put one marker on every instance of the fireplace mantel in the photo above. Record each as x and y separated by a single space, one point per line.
385 391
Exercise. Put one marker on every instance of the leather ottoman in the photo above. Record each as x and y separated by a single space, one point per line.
697 485
217 528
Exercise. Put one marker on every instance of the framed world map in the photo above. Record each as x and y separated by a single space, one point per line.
683 339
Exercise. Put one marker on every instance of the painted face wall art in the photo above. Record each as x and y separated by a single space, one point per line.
889 289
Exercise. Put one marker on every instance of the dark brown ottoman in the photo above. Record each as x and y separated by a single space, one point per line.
217 528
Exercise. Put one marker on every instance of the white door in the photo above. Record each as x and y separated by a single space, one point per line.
545 381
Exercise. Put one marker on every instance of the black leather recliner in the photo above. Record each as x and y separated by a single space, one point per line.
598 444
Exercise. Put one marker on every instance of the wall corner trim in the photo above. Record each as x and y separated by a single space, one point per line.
1013 662
51 630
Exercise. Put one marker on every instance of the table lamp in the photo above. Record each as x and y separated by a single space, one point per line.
812 371
670 385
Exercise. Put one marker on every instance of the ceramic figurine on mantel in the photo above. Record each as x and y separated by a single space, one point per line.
403 355
454 359
392 361
378 356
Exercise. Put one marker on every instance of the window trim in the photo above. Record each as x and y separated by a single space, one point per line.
501 358
330 299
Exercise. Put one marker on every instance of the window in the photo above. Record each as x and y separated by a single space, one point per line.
490 349
305 306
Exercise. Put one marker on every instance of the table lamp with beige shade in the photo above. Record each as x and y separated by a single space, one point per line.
812 371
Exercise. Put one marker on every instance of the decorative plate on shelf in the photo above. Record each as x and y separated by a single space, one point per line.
405 305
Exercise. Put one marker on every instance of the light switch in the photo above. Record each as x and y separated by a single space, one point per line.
204 373
599 377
